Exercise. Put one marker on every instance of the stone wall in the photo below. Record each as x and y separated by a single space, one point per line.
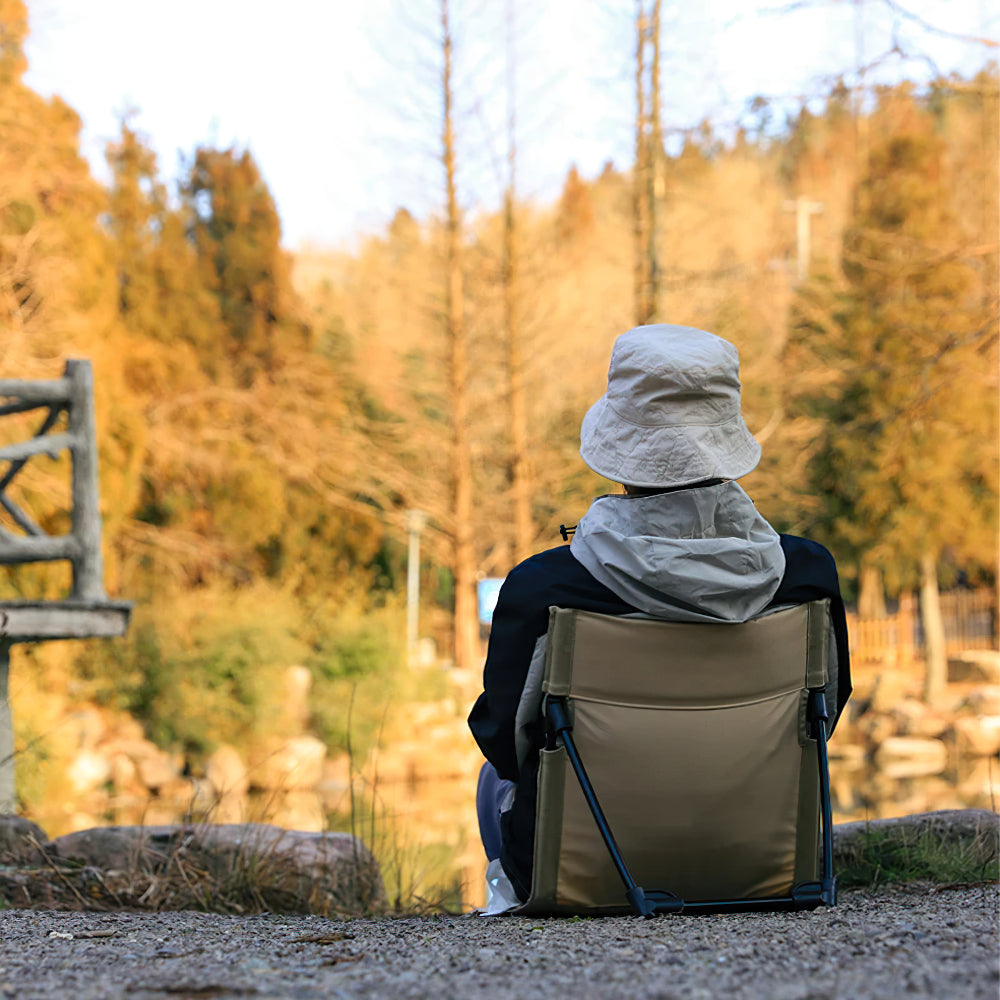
114 774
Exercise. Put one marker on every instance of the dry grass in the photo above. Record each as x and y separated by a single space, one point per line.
183 872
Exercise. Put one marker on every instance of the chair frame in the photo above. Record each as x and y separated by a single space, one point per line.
650 902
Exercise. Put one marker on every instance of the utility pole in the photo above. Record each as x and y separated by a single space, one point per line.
415 521
804 210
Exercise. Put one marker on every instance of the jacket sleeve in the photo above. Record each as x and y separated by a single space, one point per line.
521 615
811 574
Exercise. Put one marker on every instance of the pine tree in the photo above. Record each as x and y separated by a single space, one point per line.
908 468
236 230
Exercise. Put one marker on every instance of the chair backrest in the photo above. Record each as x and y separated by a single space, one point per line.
696 743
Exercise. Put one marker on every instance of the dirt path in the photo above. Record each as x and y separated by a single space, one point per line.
911 943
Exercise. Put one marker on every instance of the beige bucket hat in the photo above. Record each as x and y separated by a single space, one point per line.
671 415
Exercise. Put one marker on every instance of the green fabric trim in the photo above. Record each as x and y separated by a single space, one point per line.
817 649
559 651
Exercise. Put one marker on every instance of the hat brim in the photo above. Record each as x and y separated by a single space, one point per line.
664 456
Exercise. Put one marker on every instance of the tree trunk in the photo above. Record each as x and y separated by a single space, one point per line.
654 154
871 599
640 186
648 149
935 658
520 476
463 556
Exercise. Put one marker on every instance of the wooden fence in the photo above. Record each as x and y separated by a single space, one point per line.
897 640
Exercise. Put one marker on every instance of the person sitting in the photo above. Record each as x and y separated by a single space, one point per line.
683 542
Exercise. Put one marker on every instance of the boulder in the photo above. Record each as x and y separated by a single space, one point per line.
158 770
914 718
290 765
87 771
155 767
22 842
295 704
238 866
296 810
982 700
891 687
226 772
977 737
981 666
87 726
910 757
125 778
976 780
975 829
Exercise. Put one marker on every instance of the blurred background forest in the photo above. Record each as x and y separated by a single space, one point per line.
267 420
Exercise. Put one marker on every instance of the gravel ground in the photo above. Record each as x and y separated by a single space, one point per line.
907 942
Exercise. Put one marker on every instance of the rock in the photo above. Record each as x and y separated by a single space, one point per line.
155 767
890 689
186 796
910 756
975 829
87 726
295 810
976 780
125 777
125 727
850 756
983 700
977 737
290 765
227 776
295 707
285 870
157 771
87 771
227 773
22 842
874 728
914 718
979 665
337 772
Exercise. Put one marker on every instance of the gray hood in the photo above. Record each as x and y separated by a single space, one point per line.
701 554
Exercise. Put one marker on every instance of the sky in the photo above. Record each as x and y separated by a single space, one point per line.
339 104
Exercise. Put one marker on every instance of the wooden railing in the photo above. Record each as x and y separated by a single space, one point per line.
897 640
72 395
68 425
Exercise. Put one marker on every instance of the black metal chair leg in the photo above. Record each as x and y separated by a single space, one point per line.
818 711
563 728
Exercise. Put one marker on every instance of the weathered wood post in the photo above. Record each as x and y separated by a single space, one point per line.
88 562
86 612
7 802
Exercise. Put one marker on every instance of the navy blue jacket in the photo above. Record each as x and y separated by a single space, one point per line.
555 579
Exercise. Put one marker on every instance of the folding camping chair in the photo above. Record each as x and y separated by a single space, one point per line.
700 759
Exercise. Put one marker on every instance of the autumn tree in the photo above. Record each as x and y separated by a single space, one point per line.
908 465
57 295
235 227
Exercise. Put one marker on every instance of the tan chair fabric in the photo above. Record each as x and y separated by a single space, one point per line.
694 739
